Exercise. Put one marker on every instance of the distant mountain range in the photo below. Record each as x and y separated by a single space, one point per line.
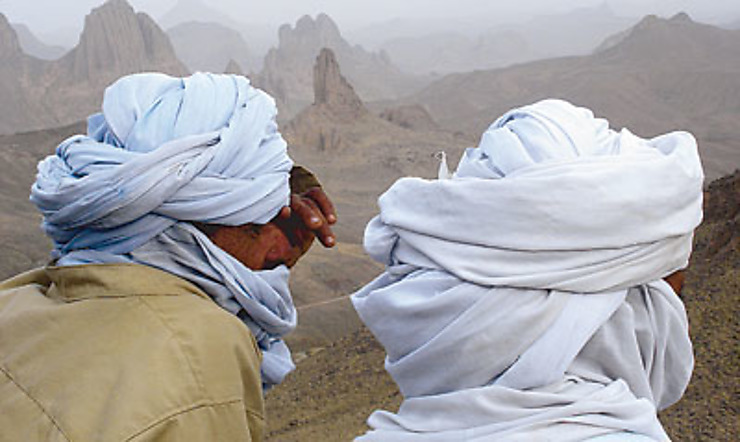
661 75
211 46
259 37
657 76
577 32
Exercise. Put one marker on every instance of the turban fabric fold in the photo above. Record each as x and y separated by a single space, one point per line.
163 153
522 297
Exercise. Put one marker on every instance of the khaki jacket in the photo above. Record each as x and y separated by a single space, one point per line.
123 353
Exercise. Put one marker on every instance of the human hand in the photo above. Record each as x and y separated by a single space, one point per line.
314 210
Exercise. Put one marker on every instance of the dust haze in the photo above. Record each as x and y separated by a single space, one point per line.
60 22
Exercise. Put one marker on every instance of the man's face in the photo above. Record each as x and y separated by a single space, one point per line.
282 241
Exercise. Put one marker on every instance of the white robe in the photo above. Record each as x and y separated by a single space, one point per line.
522 298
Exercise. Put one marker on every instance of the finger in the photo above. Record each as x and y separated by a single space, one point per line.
318 195
323 232
285 212
307 212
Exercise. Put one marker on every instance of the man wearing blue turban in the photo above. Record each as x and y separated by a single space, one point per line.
174 222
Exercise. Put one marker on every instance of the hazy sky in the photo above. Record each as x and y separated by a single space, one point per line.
46 16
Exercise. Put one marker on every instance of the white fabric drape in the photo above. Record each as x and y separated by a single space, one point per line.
522 297
165 152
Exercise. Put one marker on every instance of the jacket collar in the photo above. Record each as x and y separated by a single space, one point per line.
73 283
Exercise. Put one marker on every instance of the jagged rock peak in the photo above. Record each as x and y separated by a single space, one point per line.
681 17
233 68
331 88
9 45
647 21
650 21
323 28
115 38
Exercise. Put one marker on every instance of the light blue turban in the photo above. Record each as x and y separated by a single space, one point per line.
165 152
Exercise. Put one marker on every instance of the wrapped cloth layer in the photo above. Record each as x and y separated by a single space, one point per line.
523 296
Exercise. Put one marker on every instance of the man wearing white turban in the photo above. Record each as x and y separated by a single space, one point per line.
524 297
174 222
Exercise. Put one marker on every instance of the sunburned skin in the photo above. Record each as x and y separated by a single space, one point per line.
283 240
676 280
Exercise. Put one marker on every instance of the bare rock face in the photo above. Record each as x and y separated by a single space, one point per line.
18 73
119 41
9 45
287 69
332 89
411 116
335 105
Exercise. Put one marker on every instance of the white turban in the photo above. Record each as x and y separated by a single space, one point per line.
166 151
529 284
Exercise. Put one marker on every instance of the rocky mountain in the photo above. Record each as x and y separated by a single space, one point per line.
662 75
210 47
287 68
115 41
18 73
34 47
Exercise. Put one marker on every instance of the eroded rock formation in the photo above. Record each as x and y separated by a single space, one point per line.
115 41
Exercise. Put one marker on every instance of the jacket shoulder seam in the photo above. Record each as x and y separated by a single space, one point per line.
56 424
194 407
